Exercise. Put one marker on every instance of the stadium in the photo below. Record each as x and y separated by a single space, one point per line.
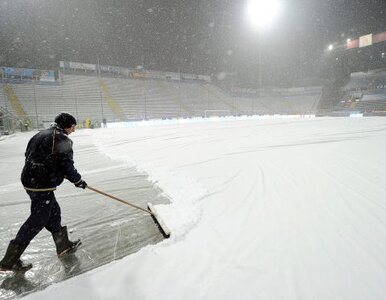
30 98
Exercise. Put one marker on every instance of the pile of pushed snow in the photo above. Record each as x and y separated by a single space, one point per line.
184 193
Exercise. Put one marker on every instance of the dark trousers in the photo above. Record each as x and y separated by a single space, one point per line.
45 213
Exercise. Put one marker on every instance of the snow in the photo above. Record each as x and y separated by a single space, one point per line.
261 209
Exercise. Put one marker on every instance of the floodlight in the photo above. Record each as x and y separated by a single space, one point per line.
261 12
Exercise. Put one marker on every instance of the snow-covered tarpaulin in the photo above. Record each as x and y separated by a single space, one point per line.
261 209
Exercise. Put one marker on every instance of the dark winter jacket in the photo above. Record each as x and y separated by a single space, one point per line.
48 160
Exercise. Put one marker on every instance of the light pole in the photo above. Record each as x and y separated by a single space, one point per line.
100 92
260 14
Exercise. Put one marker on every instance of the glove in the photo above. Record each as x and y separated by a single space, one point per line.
81 184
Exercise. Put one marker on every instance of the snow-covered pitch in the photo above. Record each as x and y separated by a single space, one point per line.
261 209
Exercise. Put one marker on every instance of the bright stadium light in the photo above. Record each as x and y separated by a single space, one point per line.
330 47
261 12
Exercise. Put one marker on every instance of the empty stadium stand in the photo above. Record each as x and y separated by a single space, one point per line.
121 99
365 92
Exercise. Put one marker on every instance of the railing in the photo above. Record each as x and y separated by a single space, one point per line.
8 122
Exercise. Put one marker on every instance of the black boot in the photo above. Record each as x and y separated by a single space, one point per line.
63 244
11 260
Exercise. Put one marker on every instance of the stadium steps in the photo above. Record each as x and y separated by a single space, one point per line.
159 105
353 105
219 95
128 94
115 107
14 100
176 99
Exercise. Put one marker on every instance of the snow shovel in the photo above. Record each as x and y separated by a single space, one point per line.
150 210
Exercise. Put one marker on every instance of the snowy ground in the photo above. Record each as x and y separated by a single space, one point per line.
261 209
108 229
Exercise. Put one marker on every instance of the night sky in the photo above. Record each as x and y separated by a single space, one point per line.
203 37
